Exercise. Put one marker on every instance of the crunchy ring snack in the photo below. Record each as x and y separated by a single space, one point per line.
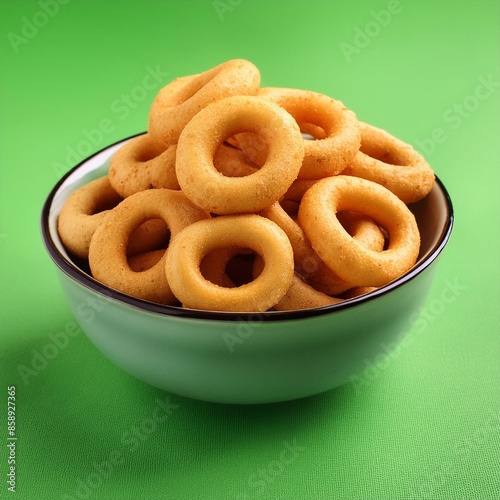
144 261
151 235
387 160
306 259
191 245
82 213
357 291
362 229
179 101
297 189
140 164
286 169
232 162
213 266
204 185
322 157
308 264
300 295
87 207
107 252
312 130
352 261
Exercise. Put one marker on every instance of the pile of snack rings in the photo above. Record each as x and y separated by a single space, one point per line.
244 198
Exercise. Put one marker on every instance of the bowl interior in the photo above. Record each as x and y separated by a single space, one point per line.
434 216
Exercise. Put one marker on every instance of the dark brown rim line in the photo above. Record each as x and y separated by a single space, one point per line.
88 282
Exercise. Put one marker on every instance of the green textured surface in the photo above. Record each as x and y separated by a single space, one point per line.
425 424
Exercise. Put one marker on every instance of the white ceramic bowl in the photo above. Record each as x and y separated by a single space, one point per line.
243 358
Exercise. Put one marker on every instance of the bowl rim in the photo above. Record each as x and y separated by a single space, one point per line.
82 278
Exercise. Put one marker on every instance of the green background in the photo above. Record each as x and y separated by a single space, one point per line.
424 423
